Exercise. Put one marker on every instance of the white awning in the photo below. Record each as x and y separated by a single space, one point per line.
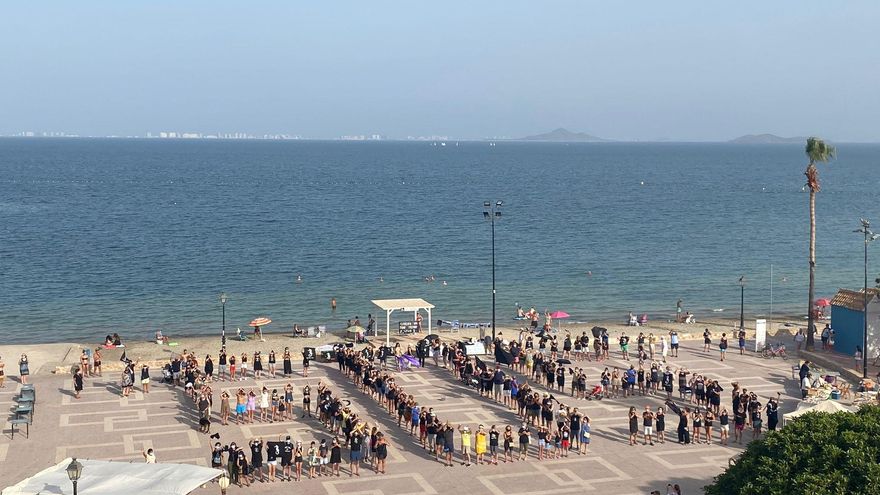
403 304
408 305
114 478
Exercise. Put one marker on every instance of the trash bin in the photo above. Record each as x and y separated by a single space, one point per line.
835 394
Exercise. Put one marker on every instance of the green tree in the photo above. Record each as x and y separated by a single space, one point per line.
816 454
817 152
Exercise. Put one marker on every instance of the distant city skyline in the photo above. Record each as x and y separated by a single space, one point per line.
629 71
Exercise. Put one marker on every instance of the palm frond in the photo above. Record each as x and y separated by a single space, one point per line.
818 150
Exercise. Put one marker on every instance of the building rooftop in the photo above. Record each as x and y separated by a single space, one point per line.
854 300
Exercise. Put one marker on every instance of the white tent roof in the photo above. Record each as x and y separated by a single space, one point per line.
113 478
403 304
826 406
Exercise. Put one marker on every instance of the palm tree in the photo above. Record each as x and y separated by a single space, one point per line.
817 151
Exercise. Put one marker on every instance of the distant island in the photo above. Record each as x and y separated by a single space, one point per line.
767 139
563 136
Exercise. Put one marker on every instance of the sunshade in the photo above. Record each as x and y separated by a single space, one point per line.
355 329
261 321
823 302
559 315
114 477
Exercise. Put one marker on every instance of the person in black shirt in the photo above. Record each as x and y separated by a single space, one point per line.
286 459
493 444
335 456
772 410
273 452
256 446
355 442
243 467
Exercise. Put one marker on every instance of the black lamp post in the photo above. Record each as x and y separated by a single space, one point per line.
869 236
742 302
492 212
74 471
223 299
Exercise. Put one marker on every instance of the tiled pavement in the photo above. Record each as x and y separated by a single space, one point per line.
104 426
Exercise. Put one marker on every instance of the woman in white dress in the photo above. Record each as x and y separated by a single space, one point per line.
264 404
664 347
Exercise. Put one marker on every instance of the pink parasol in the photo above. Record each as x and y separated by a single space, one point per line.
559 315
823 302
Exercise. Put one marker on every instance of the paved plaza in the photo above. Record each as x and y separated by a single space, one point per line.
102 425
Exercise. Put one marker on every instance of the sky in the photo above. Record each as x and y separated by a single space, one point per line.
640 70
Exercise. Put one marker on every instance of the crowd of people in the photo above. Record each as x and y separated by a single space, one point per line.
481 444
549 426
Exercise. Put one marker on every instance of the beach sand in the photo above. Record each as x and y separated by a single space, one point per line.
63 357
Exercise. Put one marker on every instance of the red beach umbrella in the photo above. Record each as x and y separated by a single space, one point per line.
559 315
823 302
261 321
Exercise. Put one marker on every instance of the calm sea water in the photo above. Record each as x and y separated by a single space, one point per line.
100 236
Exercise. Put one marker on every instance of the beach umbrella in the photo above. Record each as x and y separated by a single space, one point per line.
823 302
261 321
559 315
355 329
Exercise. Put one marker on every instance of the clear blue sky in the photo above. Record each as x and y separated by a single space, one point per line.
689 70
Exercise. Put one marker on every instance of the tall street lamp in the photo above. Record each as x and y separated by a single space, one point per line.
223 299
742 302
492 212
74 471
869 236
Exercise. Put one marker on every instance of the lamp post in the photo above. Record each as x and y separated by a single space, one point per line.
223 299
492 212
74 471
869 236
742 302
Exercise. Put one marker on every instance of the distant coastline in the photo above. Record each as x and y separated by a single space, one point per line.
767 139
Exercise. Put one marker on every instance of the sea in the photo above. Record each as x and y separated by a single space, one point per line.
134 235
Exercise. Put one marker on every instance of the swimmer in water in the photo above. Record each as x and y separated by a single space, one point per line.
299 278
444 282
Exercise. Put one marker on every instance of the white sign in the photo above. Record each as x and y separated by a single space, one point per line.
760 334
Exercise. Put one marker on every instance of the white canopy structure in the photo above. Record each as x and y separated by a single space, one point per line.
826 406
392 305
114 478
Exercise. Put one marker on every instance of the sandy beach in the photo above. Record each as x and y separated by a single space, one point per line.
62 357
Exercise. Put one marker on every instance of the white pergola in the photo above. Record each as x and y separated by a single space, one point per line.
392 305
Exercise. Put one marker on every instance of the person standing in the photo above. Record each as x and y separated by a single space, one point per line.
633 425
23 369
77 382
2 373
707 340
673 343
209 369
145 378
648 423
335 457
355 443
149 456
722 345
221 359
272 363
772 410
381 452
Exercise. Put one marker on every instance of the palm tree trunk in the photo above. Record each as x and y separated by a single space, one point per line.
810 323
